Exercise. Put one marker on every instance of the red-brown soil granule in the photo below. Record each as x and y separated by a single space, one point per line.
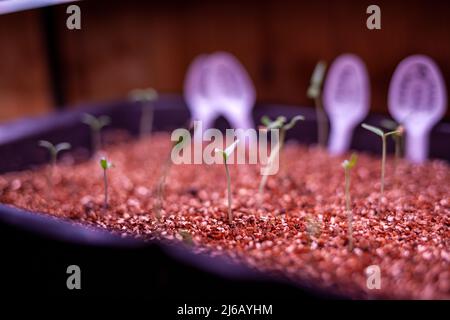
299 229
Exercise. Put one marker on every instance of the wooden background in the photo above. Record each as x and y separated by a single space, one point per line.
129 44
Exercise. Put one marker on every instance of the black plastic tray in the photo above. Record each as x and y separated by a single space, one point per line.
37 248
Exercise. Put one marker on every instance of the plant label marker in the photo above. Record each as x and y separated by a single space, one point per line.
218 84
346 100
232 91
417 100
197 94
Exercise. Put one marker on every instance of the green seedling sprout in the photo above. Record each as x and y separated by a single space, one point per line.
314 92
186 236
313 227
145 97
162 181
54 150
383 136
397 137
348 166
96 125
226 155
105 165
280 124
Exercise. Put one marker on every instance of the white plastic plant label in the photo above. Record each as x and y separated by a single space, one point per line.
417 100
197 93
232 90
346 100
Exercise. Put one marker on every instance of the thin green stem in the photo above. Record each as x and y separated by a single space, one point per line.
397 147
397 152
96 141
105 181
275 152
322 126
230 213
160 190
146 125
347 189
54 155
348 209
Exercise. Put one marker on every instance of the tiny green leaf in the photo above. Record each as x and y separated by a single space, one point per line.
105 164
293 121
395 132
88 119
353 160
349 164
62 146
313 92
104 121
46 144
389 124
373 129
316 80
229 150
136 94
318 73
275 124
186 236
95 123
265 120
150 94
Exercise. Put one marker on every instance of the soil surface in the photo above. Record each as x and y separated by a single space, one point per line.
298 230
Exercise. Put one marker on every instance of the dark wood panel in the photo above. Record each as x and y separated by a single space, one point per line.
24 86
135 44
129 44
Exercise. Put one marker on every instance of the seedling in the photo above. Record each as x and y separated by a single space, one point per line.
166 168
397 137
105 165
186 236
383 136
314 92
145 97
280 124
96 125
313 227
53 150
348 166
226 155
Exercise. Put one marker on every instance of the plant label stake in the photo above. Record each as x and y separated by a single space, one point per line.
219 85
346 100
417 100
197 94
232 91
